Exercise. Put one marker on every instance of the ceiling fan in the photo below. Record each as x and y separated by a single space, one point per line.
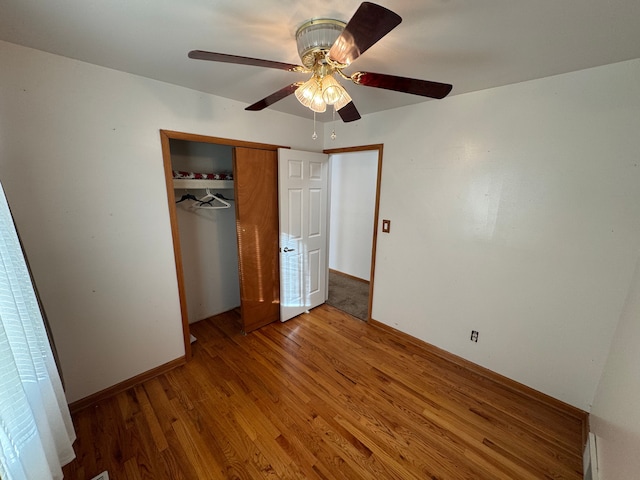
328 46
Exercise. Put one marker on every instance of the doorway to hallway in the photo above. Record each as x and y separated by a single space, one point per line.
353 216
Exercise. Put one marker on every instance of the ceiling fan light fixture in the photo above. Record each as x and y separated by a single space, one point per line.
317 35
344 100
316 93
307 91
332 91
309 94
317 104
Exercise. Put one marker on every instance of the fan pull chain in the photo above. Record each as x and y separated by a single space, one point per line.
333 133
315 135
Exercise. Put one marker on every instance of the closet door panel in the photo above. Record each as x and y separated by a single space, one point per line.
256 195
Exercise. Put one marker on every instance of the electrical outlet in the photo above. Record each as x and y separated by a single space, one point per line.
474 336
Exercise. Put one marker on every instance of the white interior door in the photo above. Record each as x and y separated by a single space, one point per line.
302 192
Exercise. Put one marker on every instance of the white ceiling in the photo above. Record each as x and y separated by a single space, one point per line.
472 44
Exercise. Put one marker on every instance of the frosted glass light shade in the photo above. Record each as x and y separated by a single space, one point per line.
307 91
346 98
319 34
332 91
309 94
318 105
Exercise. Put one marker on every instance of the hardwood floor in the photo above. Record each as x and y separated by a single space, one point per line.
323 396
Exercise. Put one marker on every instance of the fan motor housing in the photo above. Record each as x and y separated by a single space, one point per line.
317 36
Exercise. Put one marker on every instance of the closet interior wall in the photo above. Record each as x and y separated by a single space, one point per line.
208 237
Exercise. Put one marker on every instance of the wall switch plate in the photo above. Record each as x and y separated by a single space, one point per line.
386 226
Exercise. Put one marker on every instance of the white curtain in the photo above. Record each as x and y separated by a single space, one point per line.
36 432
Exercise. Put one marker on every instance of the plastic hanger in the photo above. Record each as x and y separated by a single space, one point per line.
209 200
187 196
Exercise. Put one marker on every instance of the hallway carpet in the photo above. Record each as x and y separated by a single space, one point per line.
349 295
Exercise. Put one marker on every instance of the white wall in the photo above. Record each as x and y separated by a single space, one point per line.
353 198
515 212
81 164
615 417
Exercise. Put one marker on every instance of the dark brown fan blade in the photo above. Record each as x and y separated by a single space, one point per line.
349 113
369 24
223 57
274 97
424 88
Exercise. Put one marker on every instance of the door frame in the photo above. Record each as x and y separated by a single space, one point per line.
165 137
379 148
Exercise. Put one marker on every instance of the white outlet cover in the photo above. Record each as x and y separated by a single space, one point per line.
103 476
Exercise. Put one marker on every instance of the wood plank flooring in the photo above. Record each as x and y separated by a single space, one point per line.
323 396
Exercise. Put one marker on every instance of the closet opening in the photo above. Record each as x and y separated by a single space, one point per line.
206 220
220 190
